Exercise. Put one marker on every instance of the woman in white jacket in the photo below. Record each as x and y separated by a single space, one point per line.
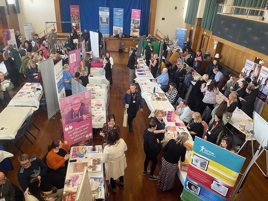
210 91
114 159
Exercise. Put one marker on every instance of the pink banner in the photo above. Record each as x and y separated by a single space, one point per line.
135 22
75 17
76 117
74 60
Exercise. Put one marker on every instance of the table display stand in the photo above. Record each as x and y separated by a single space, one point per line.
244 175
248 139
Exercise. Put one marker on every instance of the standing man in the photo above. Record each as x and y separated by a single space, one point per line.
51 39
131 66
132 100
7 191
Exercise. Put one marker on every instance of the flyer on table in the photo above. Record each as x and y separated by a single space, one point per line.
76 117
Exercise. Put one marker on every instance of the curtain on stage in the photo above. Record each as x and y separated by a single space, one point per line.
89 13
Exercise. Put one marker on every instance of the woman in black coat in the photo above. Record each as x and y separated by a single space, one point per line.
13 72
196 96
247 103
215 129
108 70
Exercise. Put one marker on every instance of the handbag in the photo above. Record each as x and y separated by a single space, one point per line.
125 116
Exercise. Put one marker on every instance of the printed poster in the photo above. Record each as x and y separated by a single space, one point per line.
58 75
76 117
74 60
75 17
104 19
9 37
28 29
263 75
212 173
249 67
118 20
135 22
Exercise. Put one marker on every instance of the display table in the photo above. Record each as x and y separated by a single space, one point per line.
28 96
99 88
151 92
11 120
175 125
82 157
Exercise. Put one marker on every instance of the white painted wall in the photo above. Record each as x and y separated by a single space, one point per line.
2 3
173 18
36 12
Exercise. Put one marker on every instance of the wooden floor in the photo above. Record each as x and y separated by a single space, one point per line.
137 187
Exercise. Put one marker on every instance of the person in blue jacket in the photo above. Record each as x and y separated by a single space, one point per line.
132 100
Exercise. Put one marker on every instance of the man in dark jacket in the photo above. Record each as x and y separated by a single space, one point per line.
152 148
32 168
131 66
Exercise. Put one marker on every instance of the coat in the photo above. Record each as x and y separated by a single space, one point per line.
55 161
115 160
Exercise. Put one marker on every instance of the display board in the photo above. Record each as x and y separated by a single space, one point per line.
94 41
74 60
58 75
75 17
212 173
118 21
84 190
249 67
77 87
260 128
135 22
263 75
49 83
28 29
104 21
76 117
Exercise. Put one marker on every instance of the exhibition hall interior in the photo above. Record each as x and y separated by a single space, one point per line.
128 100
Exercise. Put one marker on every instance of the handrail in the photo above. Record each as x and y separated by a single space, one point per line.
44 32
246 8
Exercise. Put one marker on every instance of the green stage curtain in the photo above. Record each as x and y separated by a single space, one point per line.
210 12
248 3
191 11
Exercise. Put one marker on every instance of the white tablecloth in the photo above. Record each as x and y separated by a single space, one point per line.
11 119
83 157
28 96
99 100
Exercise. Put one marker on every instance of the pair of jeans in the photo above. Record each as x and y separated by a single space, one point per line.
153 159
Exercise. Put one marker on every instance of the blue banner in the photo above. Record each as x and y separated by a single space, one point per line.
118 20
104 21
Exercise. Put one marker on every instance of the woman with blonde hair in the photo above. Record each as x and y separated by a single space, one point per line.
174 151
160 129
195 127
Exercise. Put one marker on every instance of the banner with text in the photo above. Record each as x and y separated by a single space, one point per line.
118 20
135 22
104 21
76 117
74 60
75 17
212 173
263 75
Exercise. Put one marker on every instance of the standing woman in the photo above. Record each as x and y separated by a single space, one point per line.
174 152
114 159
154 65
67 80
31 72
5 90
132 100
110 58
13 72
152 148
109 126
108 70
210 91
195 127
215 129
131 66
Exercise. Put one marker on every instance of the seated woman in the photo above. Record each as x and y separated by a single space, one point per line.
5 90
31 72
34 193
215 129
57 160
195 127
184 111
109 126
172 93
160 129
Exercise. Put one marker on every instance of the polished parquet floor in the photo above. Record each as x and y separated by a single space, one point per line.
137 187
